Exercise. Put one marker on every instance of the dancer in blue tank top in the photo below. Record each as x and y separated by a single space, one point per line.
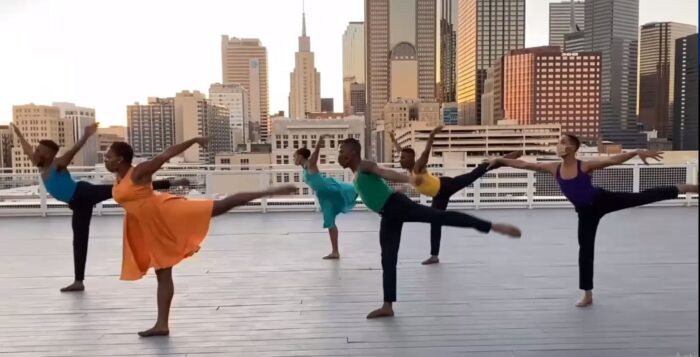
591 202
334 197
80 196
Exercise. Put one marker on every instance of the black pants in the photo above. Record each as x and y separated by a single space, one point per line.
607 202
448 187
399 209
86 196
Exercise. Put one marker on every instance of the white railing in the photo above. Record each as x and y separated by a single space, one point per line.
23 195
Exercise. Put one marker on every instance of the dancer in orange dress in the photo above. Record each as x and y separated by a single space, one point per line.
160 229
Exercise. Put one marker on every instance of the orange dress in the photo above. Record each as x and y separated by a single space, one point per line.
160 229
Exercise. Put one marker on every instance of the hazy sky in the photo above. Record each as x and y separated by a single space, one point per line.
109 53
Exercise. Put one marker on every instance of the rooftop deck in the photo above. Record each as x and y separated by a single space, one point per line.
259 288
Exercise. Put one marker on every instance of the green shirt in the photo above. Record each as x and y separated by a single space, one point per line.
373 190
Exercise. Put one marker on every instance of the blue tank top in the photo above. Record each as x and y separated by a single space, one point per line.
60 184
579 190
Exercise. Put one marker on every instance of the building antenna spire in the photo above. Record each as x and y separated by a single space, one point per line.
303 17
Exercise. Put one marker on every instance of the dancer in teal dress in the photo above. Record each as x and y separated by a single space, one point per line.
334 197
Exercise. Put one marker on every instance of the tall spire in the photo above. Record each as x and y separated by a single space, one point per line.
303 18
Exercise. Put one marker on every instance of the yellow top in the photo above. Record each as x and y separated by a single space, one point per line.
430 185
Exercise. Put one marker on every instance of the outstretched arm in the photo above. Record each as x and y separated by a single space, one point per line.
549 167
63 161
26 147
397 147
425 156
387 174
313 159
148 168
593 165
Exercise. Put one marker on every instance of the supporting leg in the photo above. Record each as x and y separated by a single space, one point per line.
587 227
166 290
389 240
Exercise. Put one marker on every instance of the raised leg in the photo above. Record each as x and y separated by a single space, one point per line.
239 199
166 290
609 202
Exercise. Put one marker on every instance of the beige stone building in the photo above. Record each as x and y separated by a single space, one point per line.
38 122
196 116
235 98
5 147
244 61
304 81
107 136
400 114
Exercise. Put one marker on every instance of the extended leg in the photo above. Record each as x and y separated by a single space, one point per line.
609 202
166 290
239 199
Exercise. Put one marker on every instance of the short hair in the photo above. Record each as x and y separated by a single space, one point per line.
353 144
409 151
49 144
574 139
124 150
304 152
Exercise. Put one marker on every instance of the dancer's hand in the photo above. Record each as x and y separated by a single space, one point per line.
436 130
202 141
648 154
495 163
91 129
16 129
282 190
415 180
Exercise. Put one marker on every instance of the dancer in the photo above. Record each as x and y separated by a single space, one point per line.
80 196
396 209
593 203
160 230
439 188
333 196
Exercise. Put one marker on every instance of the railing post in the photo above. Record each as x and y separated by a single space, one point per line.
264 182
635 178
42 199
209 184
689 171
477 194
530 189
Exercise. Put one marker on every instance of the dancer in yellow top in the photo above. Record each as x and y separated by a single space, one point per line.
439 188
160 230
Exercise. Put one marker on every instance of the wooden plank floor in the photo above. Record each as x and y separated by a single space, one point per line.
259 288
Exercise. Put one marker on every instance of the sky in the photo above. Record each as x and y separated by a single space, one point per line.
110 53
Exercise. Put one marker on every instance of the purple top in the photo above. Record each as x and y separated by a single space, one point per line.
579 190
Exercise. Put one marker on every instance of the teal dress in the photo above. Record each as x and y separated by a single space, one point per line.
334 197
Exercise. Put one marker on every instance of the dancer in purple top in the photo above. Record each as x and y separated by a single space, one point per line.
591 202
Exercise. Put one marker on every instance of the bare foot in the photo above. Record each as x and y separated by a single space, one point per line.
432 260
381 312
332 256
586 300
506 229
155 331
76 286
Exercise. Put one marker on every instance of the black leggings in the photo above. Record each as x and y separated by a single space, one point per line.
86 196
448 187
399 209
607 202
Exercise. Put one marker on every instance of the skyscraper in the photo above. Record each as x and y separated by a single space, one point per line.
656 74
612 29
358 99
448 49
487 30
244 61
564 18
5 146
235 98
151 126
327 105
400 40
685 103
37 122
77 118
353 61
305 81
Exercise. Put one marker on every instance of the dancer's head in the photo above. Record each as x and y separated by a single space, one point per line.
301 155
350 153
568 145
407 159
119 156
45 152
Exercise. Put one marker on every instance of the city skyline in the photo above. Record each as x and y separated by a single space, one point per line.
48 59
